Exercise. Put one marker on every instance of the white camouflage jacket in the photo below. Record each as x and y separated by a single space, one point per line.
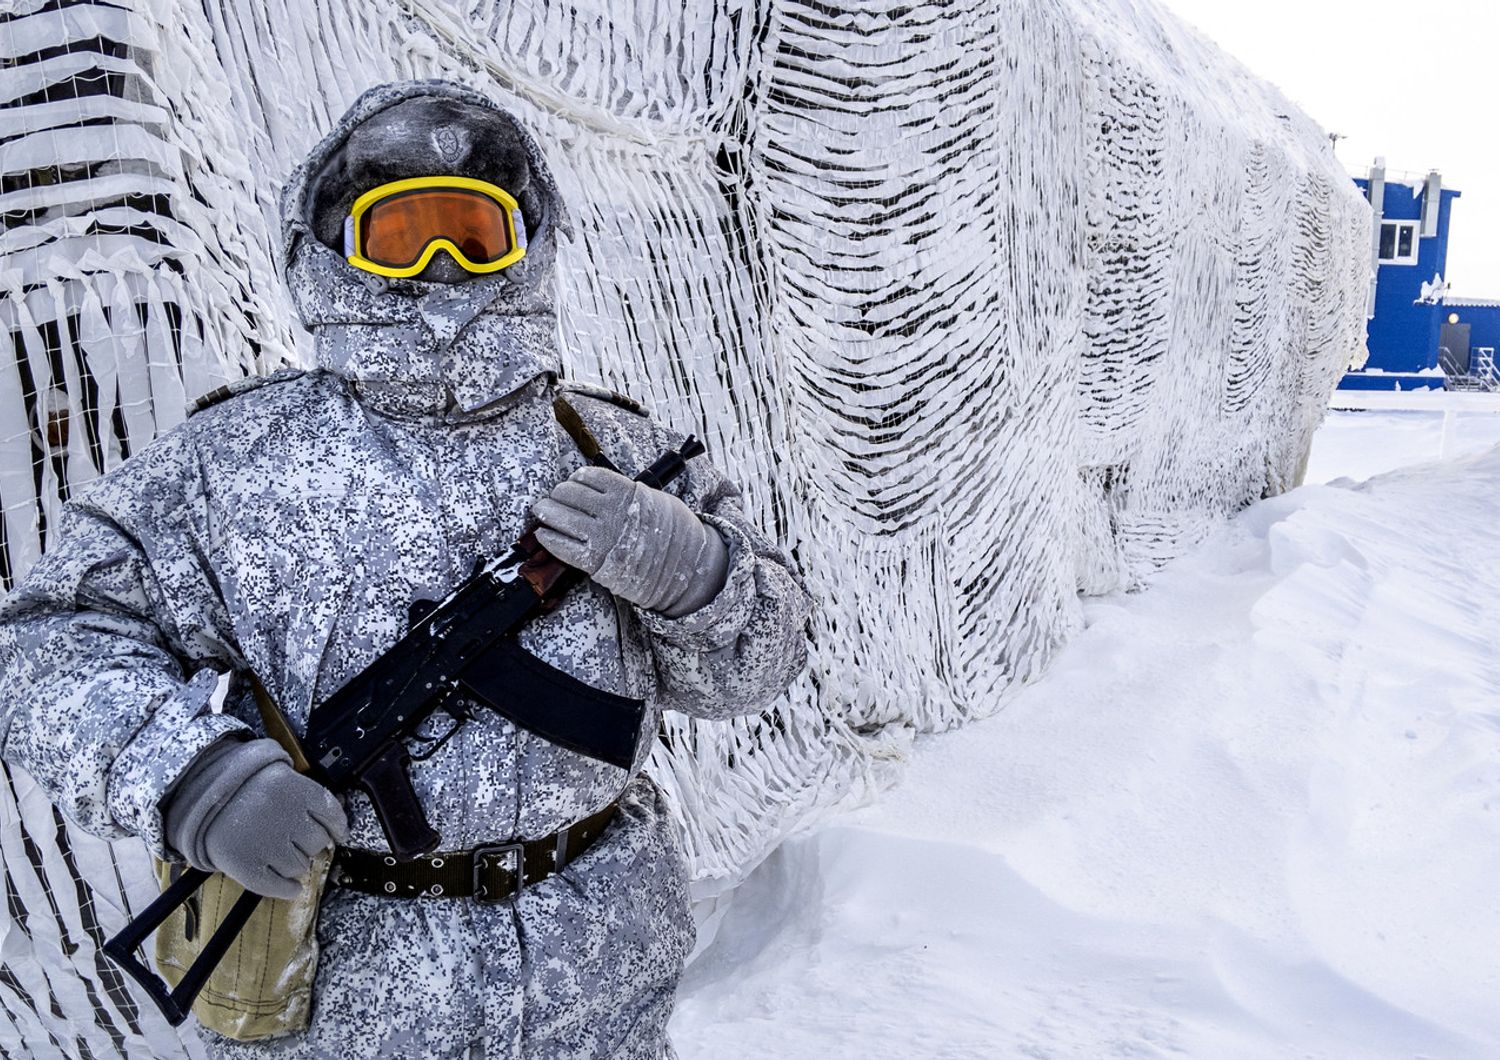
286 530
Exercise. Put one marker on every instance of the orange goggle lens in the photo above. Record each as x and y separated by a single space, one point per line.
395 229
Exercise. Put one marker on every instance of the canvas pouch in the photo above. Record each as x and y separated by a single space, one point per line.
263 986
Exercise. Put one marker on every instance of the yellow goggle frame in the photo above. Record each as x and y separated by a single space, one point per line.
515 224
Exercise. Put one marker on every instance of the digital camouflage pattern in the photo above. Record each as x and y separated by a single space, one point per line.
286 530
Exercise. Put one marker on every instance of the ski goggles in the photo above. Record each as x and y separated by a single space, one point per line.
395 229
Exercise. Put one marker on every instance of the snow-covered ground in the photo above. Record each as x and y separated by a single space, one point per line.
1251 812
1358 445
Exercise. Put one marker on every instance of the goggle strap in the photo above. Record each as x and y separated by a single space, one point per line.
520 223
349 248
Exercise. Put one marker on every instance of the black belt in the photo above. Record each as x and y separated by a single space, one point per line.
488 873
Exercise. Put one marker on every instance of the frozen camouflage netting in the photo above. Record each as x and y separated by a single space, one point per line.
986 302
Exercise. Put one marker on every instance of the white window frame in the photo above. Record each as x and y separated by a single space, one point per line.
1416 241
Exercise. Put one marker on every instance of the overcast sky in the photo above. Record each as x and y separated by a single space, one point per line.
1415 82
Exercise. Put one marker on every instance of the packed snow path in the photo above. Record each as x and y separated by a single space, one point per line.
1253 811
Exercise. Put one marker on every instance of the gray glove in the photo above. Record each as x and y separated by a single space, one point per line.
639 543
241 809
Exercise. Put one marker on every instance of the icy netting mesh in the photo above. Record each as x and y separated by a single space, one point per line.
986 303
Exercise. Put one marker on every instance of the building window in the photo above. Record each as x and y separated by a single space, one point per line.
1398 242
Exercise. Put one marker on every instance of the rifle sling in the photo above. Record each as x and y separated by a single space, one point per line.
572 422
543 699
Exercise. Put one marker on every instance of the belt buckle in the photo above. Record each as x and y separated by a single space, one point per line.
480 860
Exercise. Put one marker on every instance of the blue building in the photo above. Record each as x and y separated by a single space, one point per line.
1419 338
1409 254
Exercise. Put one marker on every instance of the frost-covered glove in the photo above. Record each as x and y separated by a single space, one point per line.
241 809
641 544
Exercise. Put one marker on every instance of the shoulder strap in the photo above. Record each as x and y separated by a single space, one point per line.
588 445
242 386
599 393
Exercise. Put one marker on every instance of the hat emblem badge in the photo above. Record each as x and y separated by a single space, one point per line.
449 144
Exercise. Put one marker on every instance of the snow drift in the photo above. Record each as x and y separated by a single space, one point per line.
986 303
1248 813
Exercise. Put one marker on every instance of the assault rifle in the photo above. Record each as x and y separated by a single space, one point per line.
457 651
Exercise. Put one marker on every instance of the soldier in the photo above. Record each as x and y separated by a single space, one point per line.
286 530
